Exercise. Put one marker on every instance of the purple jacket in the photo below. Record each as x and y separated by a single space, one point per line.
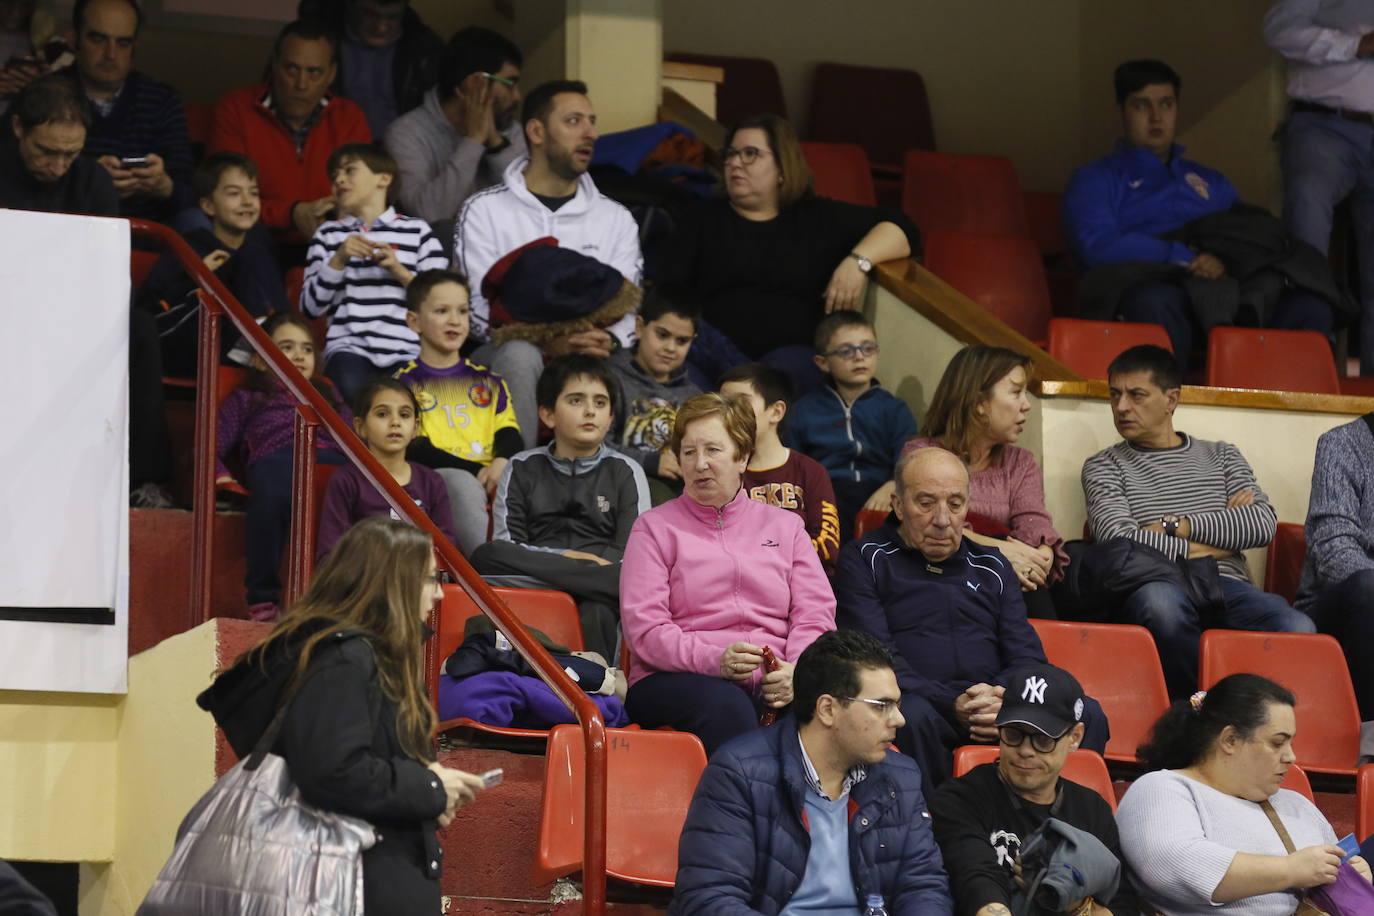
351 498
262 423
695 579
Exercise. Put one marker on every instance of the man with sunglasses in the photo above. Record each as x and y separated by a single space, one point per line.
816 813
983 818
950 611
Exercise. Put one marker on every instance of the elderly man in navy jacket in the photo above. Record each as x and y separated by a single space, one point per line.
949 611
816 813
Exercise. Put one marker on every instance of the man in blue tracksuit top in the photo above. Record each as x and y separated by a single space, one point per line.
950 612
1117 208
815 814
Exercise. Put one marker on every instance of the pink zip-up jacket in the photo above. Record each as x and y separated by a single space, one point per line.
696 579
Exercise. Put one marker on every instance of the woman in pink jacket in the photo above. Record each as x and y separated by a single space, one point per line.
712 578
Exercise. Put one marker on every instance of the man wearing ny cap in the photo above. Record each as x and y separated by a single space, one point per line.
983 818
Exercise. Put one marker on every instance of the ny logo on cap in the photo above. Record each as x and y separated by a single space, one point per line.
1034 691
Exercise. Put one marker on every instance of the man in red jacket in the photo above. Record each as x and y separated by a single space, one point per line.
289 127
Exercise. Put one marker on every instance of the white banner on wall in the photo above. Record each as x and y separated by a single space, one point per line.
64 479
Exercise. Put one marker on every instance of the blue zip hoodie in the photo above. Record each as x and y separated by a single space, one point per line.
857 442
1116 208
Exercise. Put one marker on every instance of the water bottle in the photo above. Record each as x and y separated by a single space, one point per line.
873 905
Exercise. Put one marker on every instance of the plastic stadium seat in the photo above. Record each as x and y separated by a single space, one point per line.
1117 665
1082 766
552 613
1283 563
1296 780
958 193
841 171
1311 665
866 520
884 110
198 123
1272 360
650 778
294 282
1088 347
752 85
1364 792
1002 273
1044 222
140 265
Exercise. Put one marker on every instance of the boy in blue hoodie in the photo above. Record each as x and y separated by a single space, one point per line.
853 426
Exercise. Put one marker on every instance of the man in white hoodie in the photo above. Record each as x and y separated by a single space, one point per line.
547 193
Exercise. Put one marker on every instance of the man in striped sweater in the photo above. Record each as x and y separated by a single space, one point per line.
1185 497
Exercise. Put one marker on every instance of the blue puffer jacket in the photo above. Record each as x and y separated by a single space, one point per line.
744 845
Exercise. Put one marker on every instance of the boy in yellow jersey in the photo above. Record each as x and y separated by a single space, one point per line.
467 423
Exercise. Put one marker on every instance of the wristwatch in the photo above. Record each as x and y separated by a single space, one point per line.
1170 523
864 263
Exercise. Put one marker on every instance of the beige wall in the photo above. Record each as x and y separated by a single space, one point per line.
1027 80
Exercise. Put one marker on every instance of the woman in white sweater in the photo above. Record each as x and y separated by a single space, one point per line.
1198 831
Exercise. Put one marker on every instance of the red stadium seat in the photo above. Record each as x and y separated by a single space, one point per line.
866 520
295 282
1044 222
1283 563
198 123
650 778
1081 766
1117 665
1088 347
882 109
841 171
1271 360
1364 791
1002 273
1296 780
1312 665
752 85
957 193
552 613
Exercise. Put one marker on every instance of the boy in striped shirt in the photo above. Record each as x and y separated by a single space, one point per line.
358 268
1186 498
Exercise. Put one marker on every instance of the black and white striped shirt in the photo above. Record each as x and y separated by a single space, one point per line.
366 304
1127 486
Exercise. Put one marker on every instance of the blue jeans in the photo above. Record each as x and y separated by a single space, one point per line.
268 519
1166 303
1171 618
1325 160
1346 611
351 373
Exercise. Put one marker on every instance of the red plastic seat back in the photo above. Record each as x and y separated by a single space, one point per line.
1364 792
866 520
650 779
1313 667
1271 360
752 85
884 110
1088 347
1117 665
1002 273
1044 222
956 193
1081 766
198 123
552 613
1283 565
842 172
1296 780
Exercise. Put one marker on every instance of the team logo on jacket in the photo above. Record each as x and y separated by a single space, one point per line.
1198 184
480 394
1008 846
426 400
603 503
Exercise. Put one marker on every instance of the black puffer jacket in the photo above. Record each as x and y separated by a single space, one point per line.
340 742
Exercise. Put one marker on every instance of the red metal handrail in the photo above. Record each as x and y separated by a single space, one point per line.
313 411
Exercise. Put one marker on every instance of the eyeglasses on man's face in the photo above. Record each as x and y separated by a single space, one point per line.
1014 737
885 708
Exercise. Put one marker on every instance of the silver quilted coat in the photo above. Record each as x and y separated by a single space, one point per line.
252 847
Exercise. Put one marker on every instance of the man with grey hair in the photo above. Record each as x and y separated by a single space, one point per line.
949 610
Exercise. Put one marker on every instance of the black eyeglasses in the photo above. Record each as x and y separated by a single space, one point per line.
748 155
439 577
849 351
1013 737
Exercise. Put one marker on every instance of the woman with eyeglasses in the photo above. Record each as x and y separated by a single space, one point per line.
771 258
358 736
1209 831
719 594
978 412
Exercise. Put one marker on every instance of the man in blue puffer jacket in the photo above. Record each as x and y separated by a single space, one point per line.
815 814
